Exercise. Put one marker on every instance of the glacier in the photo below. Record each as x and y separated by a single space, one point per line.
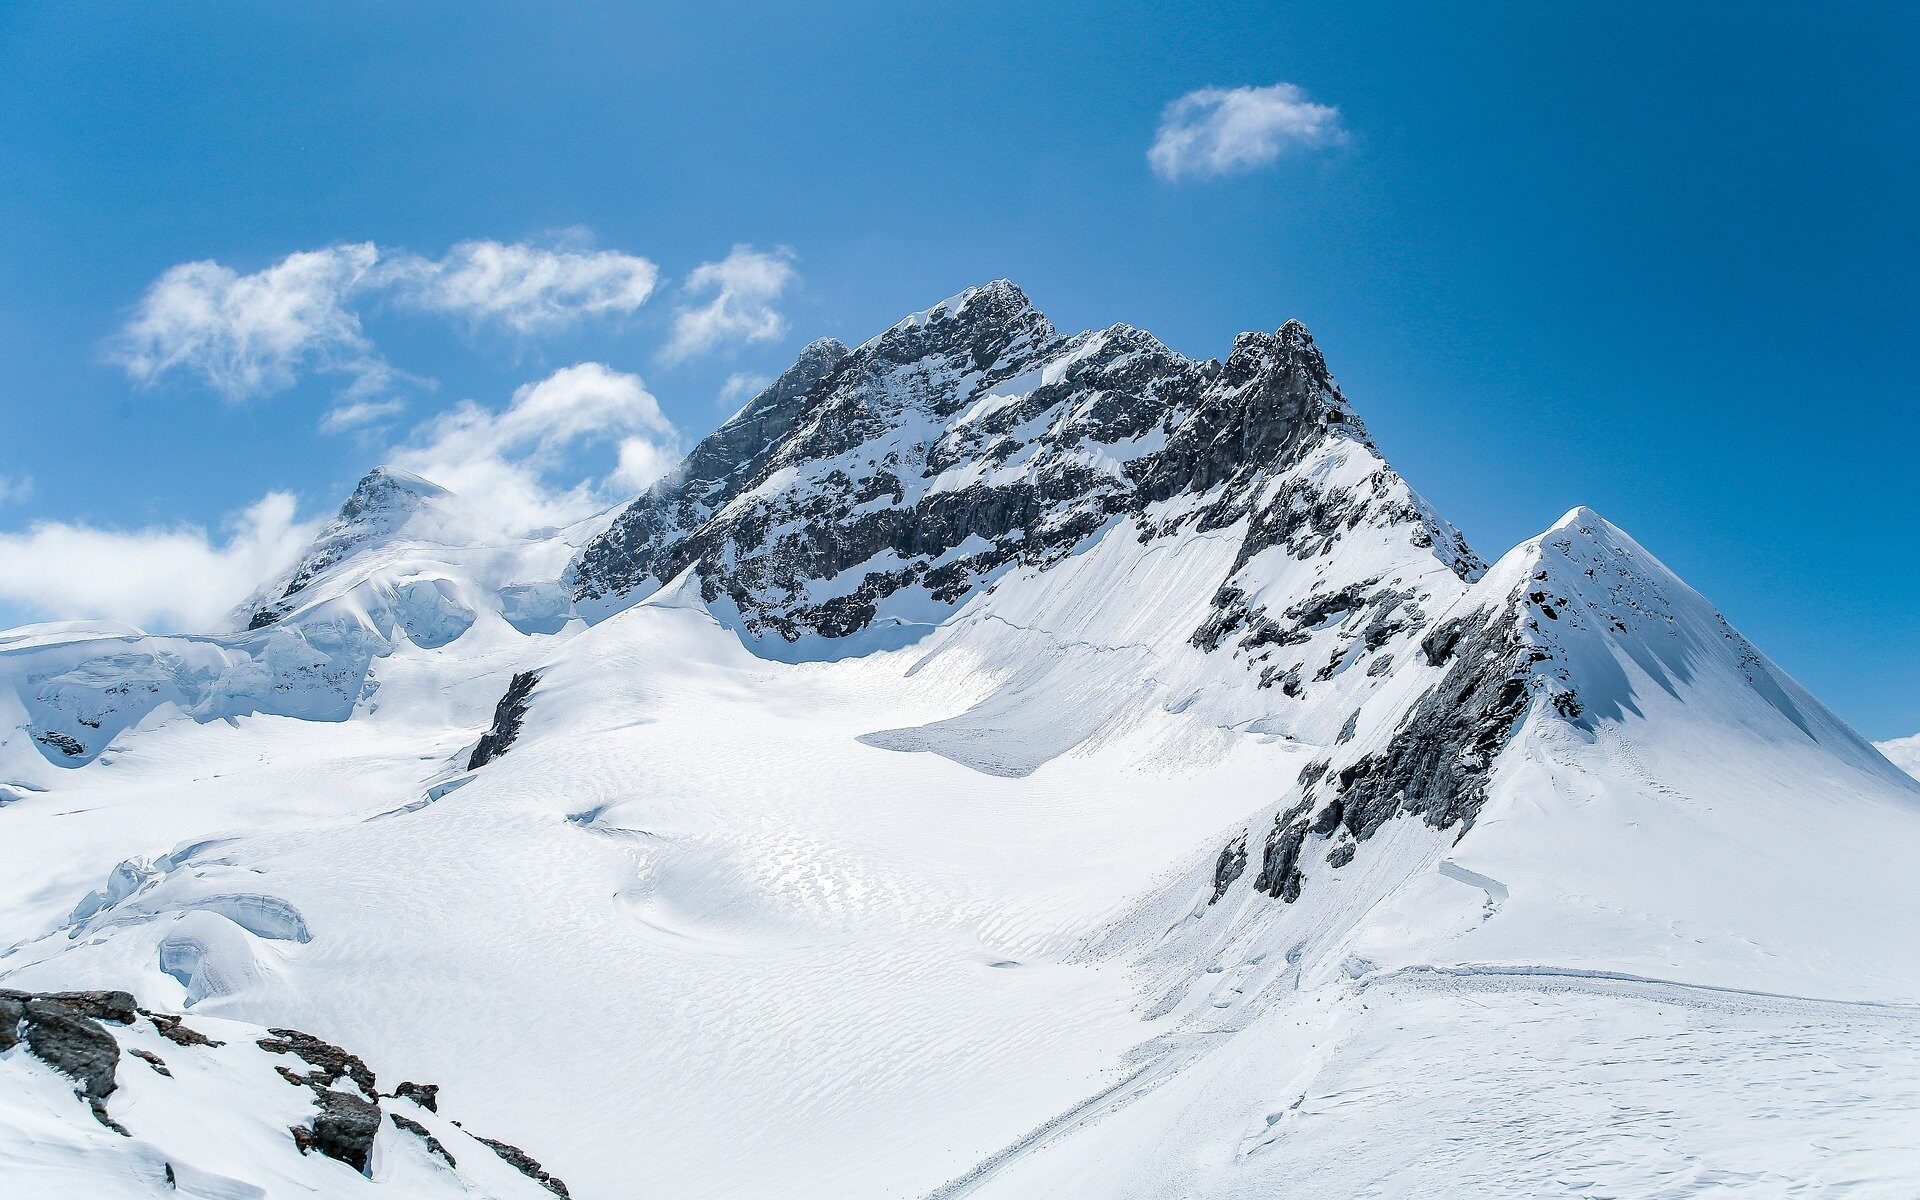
998 763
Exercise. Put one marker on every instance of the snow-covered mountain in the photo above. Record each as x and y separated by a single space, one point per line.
997 763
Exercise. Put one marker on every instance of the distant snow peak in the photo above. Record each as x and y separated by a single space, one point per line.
382 504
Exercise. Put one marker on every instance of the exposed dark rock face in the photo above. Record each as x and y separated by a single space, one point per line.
426 1095
66 745
63 1030
507 718
72 1042
176 1031
1280 860
153 1060
639 544
344 1129
1263 407
1232 863
114 1006
524 1164
420 1131
1437 762
329 1061
972 438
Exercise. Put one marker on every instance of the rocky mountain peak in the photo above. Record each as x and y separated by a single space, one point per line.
1289 352
905 474
992 324
386 490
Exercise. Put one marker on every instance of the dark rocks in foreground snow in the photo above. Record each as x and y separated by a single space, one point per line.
63 1030
329 1061
344 1129
72 1032
426 1137
426 1095
346 1124
153 1060
176 1031
524 1163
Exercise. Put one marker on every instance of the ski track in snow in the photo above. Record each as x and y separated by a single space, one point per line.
1466 977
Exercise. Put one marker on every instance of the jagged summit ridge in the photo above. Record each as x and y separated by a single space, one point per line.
877 489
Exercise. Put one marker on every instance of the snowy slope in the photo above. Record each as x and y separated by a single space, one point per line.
1009 763
1642 968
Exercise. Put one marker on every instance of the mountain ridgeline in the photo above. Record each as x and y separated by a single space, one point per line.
886 484
995 763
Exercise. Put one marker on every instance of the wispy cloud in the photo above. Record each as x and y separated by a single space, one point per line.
255 334
506 461
1222 131
525 288
359 414
174 578
251 335
521 465
740 387
742 289
15 487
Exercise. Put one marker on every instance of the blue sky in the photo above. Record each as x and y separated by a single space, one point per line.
1659 259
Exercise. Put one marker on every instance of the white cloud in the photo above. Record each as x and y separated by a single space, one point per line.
250 335
744 286
504 461
254 335
1220 131
357 414
525 288
642 462
1903 753
167 578
15 487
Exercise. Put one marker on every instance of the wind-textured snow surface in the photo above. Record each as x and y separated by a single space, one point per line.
1000 763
